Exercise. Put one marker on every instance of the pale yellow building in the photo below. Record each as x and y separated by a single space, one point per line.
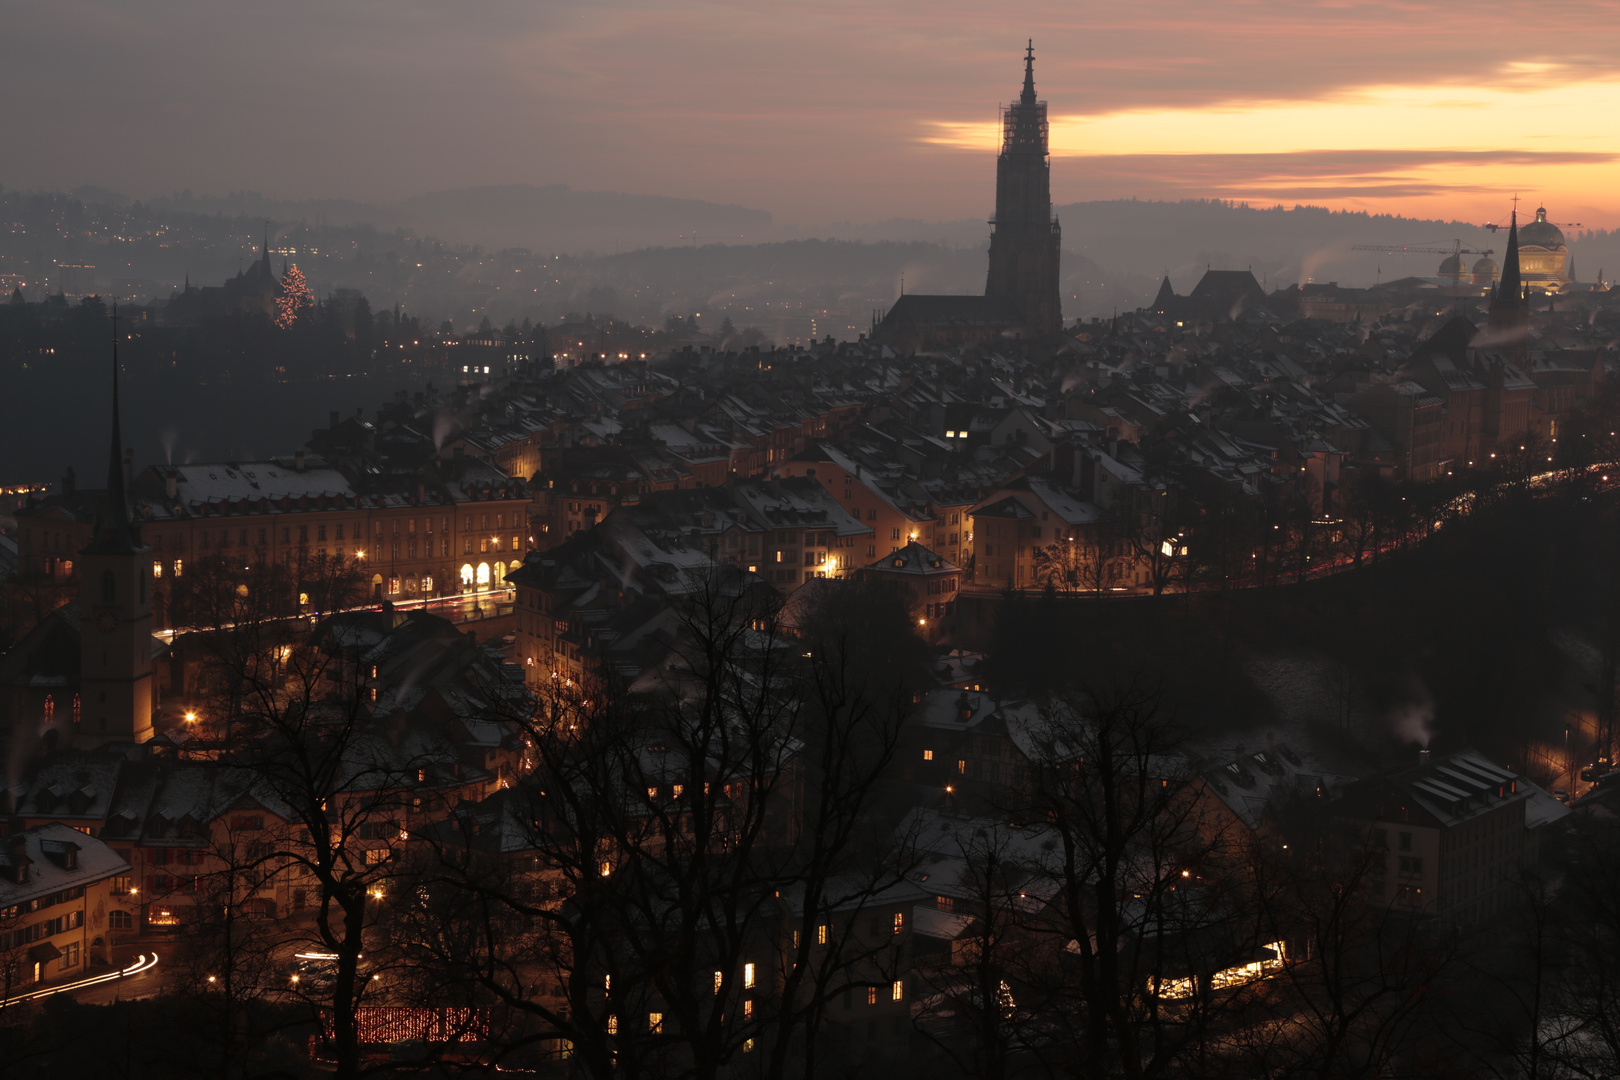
1543 254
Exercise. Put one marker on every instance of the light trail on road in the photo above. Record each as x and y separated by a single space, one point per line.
143 963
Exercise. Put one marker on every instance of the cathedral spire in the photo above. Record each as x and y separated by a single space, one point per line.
1510 291
1028 96
1510 307
115 527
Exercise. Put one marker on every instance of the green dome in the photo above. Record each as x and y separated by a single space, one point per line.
1541 232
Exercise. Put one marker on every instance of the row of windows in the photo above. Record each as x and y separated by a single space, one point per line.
42 902
71 920
328 531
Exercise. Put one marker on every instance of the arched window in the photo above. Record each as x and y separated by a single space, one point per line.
109 587
466 575
483 575
50 707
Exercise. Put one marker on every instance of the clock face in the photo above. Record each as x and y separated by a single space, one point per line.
106 622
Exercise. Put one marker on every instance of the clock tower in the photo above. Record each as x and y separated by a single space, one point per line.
115 610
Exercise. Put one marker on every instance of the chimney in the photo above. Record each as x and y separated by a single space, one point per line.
1423 757
298 461
171 485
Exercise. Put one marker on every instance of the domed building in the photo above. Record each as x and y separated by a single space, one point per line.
1543 254
1485 271
1452 269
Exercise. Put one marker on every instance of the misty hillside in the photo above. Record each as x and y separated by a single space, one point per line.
516 252
552 218
1136 242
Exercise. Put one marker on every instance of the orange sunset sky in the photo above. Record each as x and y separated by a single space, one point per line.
825 111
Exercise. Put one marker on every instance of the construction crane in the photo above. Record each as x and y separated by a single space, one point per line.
1456 248
1495 226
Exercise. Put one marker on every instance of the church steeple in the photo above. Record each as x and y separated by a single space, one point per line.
114 531
115 608
1510 262
1028 96
1166 297
1510 306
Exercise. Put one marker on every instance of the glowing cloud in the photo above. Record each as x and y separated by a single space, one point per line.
1368 144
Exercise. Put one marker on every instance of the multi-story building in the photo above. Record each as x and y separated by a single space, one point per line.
928 583
1450 836
62 900
456 529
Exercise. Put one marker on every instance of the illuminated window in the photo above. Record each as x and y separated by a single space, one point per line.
613 1025
748 1046
179 567
748 976
821 934
898 991
928 755
871 995
719 980
607 868
748 1008
607 983
655 1022
899 921
157 568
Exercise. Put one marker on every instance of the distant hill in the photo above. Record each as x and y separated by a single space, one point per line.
1136 242
552 218
559 219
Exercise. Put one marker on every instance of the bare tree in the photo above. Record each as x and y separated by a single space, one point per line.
701 845
1149 933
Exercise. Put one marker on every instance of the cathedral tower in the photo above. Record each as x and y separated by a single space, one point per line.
115 609
1024 239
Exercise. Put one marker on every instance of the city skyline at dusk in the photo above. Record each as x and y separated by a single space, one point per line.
686 540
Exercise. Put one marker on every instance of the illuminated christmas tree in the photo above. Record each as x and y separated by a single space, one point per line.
294 298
